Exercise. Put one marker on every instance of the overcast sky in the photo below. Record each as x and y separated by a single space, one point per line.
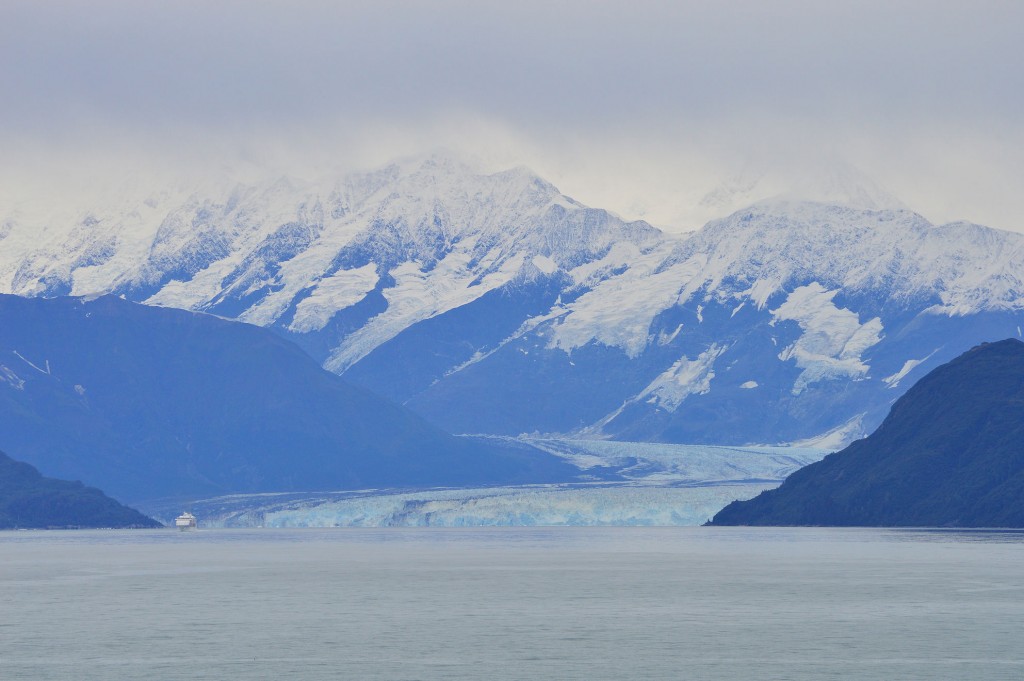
640 107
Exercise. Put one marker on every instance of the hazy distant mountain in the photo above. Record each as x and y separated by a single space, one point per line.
147 402
830 181
951 453
492 303
28 500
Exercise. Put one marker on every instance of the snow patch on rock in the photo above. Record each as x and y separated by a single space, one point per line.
333 293
420 294
908 366
837 438
619 310
10 378
684 378
833 339
544 264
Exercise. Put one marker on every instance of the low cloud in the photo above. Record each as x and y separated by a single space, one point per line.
642 108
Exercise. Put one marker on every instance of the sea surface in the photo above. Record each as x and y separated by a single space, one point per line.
512 603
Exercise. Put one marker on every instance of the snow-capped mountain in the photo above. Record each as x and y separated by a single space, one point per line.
400 245
492 303
828 180
782 322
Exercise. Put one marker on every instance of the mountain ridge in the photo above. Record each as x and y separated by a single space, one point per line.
490 302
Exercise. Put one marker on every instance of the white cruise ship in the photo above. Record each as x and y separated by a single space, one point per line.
186 521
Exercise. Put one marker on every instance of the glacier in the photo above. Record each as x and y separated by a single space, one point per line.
495 506
651 484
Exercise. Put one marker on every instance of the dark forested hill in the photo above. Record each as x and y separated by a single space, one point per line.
950 453
29 500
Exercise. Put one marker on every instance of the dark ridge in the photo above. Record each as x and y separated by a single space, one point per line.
147 402
28 500
950 454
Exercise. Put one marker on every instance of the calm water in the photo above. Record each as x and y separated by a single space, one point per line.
566 603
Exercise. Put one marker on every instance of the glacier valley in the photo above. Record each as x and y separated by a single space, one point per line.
634 484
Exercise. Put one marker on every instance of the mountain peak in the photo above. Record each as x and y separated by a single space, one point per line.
830 181
437 162
843 184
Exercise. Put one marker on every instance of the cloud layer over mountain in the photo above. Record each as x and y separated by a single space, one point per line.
641 107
